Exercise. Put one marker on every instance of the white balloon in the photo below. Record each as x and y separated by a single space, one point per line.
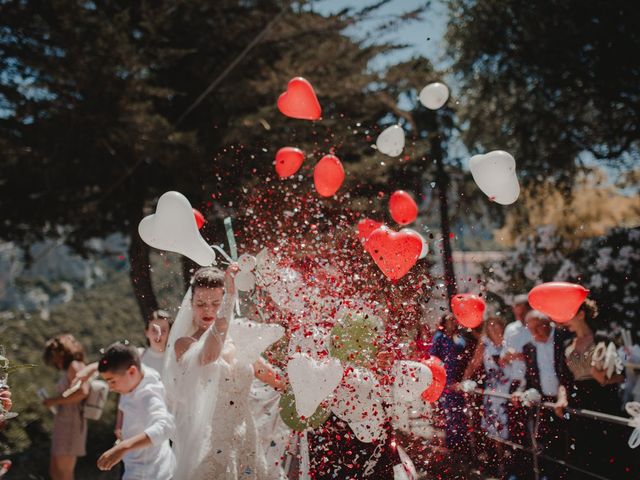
425 245
252 338
411 379
245 281
247 262
312 381
368 430
286 290
391 141
358 398
495 174
173 228
311 340
266 268
434 95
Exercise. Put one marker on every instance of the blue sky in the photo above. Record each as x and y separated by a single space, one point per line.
423 37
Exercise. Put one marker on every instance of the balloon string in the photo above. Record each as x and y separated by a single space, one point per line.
233 248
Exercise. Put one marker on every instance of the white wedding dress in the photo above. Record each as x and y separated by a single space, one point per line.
216 435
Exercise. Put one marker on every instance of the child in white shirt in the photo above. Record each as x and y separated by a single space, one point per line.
157 333
147 423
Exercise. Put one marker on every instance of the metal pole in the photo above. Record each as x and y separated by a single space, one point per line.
533 432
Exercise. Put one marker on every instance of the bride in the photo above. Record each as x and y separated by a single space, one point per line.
208 386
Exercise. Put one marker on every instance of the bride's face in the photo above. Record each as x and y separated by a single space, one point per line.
205 304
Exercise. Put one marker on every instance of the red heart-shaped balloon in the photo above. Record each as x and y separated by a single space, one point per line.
468 309
559 300
394 252
439 381
365 227
403 207
199 218
300 101
328 175
288 161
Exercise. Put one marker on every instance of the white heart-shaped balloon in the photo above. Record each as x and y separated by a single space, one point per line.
286 290
252 338
425 245
173 228
411 379
391 141
245 281
311 340
495 174
312 381
434 95
357 398
368 430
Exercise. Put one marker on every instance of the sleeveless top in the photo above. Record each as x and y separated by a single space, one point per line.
580 363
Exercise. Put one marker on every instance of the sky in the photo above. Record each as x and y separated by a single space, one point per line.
424 38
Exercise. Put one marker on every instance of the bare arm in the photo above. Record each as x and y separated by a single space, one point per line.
117 431
77 395
112 457
266 373
601 377
475 362
561 402
217 333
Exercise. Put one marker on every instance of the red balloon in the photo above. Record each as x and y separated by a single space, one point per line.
328 175
300 101
395 253
403 208
439 375
288 161
199 218
468 309
365 227
559 300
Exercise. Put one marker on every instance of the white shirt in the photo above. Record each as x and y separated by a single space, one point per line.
145 411
546 366
151 358
516 336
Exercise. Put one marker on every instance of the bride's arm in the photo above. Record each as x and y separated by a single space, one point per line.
267 374
217 332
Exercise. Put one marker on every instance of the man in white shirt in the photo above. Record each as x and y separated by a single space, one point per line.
544 360
516 336
147 423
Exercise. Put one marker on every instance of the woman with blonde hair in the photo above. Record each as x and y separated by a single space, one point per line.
69 437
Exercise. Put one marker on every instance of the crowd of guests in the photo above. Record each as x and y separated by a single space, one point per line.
505 424
498 429
122 366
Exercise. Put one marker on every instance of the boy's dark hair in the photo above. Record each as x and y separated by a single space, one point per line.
119 357
208 277
159 315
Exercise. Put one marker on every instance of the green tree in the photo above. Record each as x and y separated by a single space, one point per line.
548 80
99 113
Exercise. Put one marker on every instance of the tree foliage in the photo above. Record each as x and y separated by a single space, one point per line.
548 80
93 97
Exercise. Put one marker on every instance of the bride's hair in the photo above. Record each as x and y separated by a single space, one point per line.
208 277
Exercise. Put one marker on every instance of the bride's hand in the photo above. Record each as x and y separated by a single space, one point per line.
229 276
